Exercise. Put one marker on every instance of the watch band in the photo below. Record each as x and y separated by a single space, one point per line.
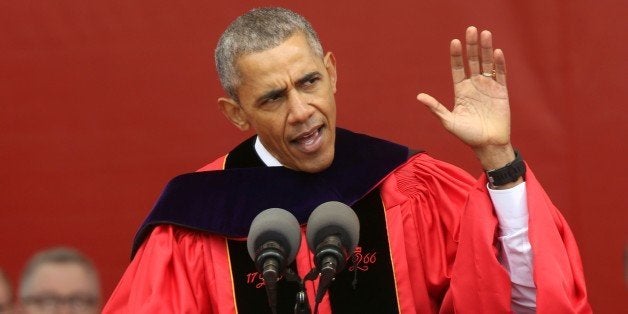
511 172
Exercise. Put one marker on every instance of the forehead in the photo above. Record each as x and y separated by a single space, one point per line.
62 278
288 61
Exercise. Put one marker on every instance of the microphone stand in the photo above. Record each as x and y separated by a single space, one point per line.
301 306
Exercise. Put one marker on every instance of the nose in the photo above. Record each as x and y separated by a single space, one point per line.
300 110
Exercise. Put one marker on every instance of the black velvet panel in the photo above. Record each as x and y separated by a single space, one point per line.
225 202
250 292
244 156
367 283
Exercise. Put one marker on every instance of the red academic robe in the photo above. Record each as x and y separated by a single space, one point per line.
441 231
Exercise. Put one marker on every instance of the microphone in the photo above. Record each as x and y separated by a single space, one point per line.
273 242
333 231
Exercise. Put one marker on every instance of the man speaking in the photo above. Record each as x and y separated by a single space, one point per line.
431 237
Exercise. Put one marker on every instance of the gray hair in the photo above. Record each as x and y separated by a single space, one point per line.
58 255
255 31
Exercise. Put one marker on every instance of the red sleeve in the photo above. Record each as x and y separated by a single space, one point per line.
480 285
558 272
448 250
177 271
426 197
169 274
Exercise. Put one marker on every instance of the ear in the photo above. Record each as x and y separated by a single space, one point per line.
234 113
330 65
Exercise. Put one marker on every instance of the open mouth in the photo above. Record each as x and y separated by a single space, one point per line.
309 142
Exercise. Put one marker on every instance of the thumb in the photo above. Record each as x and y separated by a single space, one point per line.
436 107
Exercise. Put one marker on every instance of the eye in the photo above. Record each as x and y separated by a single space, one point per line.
271 99
310 82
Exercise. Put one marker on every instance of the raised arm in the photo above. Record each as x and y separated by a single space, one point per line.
538 250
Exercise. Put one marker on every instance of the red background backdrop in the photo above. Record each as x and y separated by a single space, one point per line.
103 101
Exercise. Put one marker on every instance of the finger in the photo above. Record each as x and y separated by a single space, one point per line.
437 108
486 44
457 65
472 50
500 66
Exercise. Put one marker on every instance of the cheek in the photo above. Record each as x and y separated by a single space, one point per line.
330 109
273 129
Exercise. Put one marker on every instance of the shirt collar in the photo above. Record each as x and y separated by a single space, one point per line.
263 153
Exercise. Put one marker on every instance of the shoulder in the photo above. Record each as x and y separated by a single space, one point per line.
218 164
424 175
167 242
422 164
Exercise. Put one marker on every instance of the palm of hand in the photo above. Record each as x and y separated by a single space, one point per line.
481 114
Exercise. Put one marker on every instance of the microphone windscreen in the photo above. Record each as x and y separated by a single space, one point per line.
275 224
333 218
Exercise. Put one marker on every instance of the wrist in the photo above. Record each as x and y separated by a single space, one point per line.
495 156
507 176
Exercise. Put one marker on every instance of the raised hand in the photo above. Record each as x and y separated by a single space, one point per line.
481 113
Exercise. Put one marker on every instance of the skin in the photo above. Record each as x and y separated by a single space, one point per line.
5 295
62 280
287 97
481 113
279 102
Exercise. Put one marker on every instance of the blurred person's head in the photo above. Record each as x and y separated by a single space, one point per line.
59 280
6 294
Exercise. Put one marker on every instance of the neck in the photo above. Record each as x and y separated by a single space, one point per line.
263 153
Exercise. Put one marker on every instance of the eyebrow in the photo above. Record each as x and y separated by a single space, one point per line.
281 91
271 94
